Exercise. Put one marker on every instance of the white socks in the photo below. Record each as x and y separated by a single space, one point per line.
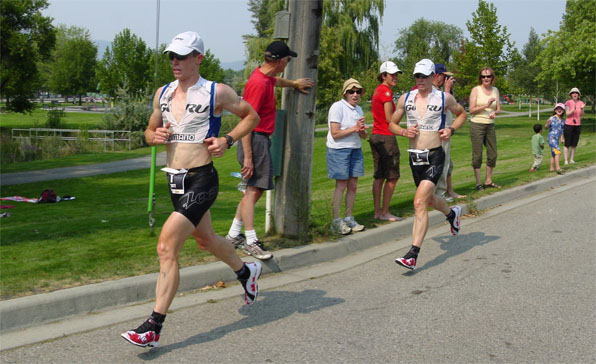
236 228
251 236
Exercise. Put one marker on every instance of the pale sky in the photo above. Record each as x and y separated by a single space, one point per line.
221 23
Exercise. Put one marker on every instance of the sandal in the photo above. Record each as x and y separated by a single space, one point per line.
491 185
479 188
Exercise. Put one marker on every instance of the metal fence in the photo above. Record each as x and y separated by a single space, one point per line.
108 137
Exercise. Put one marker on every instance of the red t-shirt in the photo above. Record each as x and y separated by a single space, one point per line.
381 95
260 94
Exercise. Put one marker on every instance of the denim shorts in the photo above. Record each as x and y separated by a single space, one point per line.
344 163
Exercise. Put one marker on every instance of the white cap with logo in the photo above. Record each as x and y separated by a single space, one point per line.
186 42
425 67
390 68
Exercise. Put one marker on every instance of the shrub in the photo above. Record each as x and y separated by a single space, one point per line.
54 118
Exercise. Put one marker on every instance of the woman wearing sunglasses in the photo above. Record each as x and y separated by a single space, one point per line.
484 107
345 162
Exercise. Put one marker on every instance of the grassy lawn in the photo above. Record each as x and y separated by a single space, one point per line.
103 234
38 118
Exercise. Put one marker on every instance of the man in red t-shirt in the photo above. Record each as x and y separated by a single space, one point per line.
383 144
254 149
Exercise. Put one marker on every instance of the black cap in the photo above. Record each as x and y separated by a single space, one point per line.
278 50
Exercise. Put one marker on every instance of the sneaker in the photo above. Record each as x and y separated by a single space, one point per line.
251 289
145 335
409 263
352 224
340 226
455 221
257 250
238 241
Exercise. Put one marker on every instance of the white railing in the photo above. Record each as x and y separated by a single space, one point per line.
108 137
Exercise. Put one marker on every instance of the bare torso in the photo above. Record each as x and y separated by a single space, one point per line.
424 139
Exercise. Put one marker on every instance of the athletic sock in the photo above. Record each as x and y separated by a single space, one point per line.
251 237
243 273
158 317
413 253
236 228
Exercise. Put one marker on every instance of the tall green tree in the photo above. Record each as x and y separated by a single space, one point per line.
489 45
434 40
349 44
127 62
71 69
524 70
26 37
569 56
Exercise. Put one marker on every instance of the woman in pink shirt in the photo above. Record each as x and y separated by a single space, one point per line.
574 109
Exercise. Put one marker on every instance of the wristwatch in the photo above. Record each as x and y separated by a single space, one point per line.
229 140
452 130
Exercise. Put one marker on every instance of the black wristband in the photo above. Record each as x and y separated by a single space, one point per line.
229 140
452 130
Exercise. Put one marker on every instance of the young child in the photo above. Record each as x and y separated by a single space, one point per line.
537 147
555 124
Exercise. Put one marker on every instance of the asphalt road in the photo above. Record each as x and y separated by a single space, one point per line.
517 285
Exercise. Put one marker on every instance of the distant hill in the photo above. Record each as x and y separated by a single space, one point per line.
235 66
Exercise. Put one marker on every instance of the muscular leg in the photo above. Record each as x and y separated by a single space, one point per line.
422 200
340 186
173 235
246 208
215 244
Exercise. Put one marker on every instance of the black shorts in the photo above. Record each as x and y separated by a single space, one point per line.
571 134
385 152
432 171
201 185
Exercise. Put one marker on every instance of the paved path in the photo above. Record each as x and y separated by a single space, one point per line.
525 293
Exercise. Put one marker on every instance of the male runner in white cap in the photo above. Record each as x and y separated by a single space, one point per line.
186 118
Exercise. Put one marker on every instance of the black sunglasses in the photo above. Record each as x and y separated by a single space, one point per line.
173 55
420 75
486 76
349 92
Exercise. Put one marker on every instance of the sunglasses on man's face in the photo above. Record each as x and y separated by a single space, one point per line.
486 76
173 55
420 75
350 92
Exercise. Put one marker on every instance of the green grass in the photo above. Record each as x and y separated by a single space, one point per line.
103 234
38 118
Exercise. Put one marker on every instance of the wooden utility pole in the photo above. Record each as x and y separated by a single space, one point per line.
293 187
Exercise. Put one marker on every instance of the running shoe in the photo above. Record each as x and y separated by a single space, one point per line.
352 224
340 226
238 241
409 263
455 221
251 288
257 250
145 335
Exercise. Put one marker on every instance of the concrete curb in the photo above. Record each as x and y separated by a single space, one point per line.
28 311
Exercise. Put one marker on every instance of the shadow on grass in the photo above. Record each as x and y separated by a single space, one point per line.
273 306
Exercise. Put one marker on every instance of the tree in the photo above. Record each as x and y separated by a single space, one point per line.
128 61
523 71
349 44
489 45
434 40
569 55
26 37
71 70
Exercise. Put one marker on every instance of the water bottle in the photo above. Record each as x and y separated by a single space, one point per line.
242 184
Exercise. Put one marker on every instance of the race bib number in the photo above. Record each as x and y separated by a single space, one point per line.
176 180
419 157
